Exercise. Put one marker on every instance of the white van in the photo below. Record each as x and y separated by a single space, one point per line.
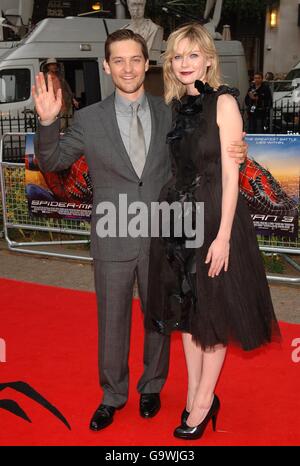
78 45
7 46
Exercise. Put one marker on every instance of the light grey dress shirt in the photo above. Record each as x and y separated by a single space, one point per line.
124 112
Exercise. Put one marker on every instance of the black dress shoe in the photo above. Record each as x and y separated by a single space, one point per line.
192 433
149 404
103 417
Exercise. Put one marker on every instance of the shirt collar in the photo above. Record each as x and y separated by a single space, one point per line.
123 105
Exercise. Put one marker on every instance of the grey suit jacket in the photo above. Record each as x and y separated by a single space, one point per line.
95 134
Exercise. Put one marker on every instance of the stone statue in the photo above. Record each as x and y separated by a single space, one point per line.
151 32
213 23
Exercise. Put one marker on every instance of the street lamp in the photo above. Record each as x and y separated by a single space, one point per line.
96 6
274 18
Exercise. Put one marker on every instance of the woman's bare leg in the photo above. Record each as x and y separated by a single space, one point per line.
193 358
212 363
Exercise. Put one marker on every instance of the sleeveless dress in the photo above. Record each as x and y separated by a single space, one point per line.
235 306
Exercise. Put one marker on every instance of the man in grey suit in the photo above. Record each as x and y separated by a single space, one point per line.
123 140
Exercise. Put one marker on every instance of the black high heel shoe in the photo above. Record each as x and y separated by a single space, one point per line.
192 433
184 415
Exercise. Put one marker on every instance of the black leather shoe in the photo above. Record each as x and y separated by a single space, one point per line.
184 415
103 417
192 433
149 404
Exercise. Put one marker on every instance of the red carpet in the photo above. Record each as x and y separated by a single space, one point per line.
51 344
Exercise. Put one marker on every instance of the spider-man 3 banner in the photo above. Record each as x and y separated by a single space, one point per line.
270 182
65 194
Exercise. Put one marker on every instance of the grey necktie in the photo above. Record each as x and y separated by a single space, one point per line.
137 145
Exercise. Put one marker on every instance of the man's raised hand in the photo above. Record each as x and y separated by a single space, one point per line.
47 104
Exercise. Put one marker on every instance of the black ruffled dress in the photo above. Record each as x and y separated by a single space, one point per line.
236 305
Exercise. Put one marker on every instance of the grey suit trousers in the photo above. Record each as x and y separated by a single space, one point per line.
114 282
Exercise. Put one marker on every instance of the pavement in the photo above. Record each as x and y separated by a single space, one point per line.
78 275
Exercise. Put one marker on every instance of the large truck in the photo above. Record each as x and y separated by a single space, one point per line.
78 45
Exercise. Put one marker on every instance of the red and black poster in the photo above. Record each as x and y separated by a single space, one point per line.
271 181
66 194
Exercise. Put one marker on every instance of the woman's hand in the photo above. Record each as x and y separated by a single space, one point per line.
47 104
218 256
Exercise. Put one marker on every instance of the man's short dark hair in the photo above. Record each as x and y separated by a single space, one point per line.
259 73
125 34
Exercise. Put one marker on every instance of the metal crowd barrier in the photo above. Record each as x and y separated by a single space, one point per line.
16 216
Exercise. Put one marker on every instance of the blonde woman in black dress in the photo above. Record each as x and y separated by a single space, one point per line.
216 293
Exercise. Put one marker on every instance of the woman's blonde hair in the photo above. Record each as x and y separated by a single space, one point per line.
199 36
